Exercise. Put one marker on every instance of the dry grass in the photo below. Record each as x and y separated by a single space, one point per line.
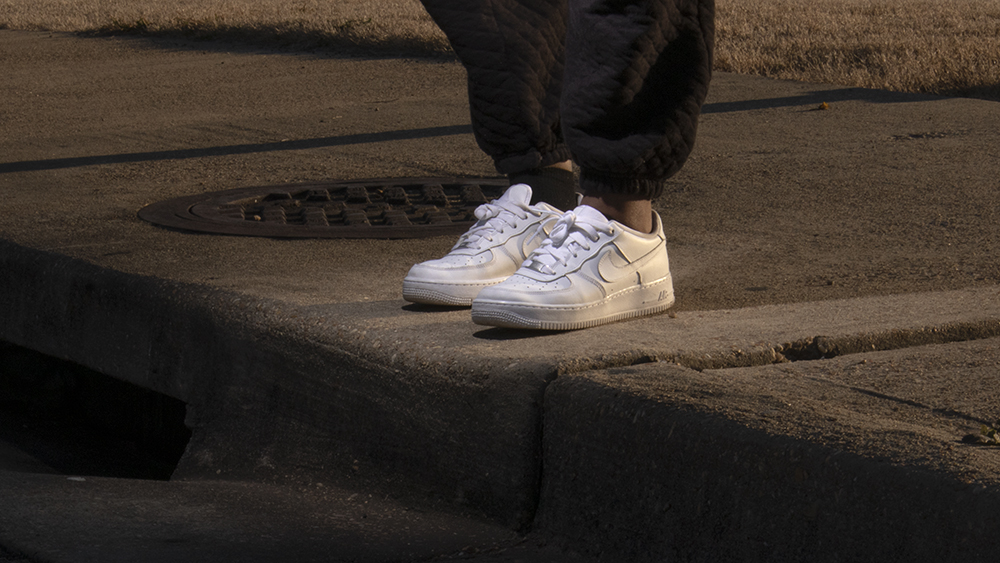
380 25
949 47
946 47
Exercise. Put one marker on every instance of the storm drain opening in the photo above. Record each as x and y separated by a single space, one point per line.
59 417
377 208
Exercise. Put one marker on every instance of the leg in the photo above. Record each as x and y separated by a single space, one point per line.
637 73
513 52
632 210
632 98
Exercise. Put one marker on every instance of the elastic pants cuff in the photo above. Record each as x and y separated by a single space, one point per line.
592 183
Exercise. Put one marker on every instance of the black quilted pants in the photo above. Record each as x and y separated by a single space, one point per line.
616 85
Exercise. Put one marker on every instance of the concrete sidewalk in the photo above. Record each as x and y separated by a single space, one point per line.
835 337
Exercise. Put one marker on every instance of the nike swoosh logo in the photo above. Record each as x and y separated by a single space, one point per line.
613 267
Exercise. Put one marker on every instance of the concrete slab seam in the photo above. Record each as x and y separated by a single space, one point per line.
807 349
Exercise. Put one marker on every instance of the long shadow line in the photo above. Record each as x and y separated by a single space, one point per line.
817 97
321 142
841 94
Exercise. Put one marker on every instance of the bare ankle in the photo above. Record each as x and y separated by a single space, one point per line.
633 212
564 165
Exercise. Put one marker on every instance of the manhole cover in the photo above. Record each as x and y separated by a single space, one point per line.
387 208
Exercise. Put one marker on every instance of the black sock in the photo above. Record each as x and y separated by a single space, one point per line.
554 186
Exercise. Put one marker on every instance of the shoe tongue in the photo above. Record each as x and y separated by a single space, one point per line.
518 193
588 214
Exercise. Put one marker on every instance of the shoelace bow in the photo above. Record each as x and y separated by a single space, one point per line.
493 218
567 239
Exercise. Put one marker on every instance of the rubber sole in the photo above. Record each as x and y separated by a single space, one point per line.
629 304
440 294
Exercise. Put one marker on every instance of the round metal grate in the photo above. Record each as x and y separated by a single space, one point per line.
386 208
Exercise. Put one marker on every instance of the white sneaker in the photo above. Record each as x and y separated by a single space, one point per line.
506 232
590 271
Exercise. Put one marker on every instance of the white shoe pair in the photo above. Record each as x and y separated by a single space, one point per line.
533 266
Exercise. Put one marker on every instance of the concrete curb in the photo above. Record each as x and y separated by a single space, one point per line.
641 465
347 397
268 401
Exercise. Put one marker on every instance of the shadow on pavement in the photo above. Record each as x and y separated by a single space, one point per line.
819 97
302 144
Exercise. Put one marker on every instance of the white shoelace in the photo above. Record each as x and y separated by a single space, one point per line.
493 218
570 235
